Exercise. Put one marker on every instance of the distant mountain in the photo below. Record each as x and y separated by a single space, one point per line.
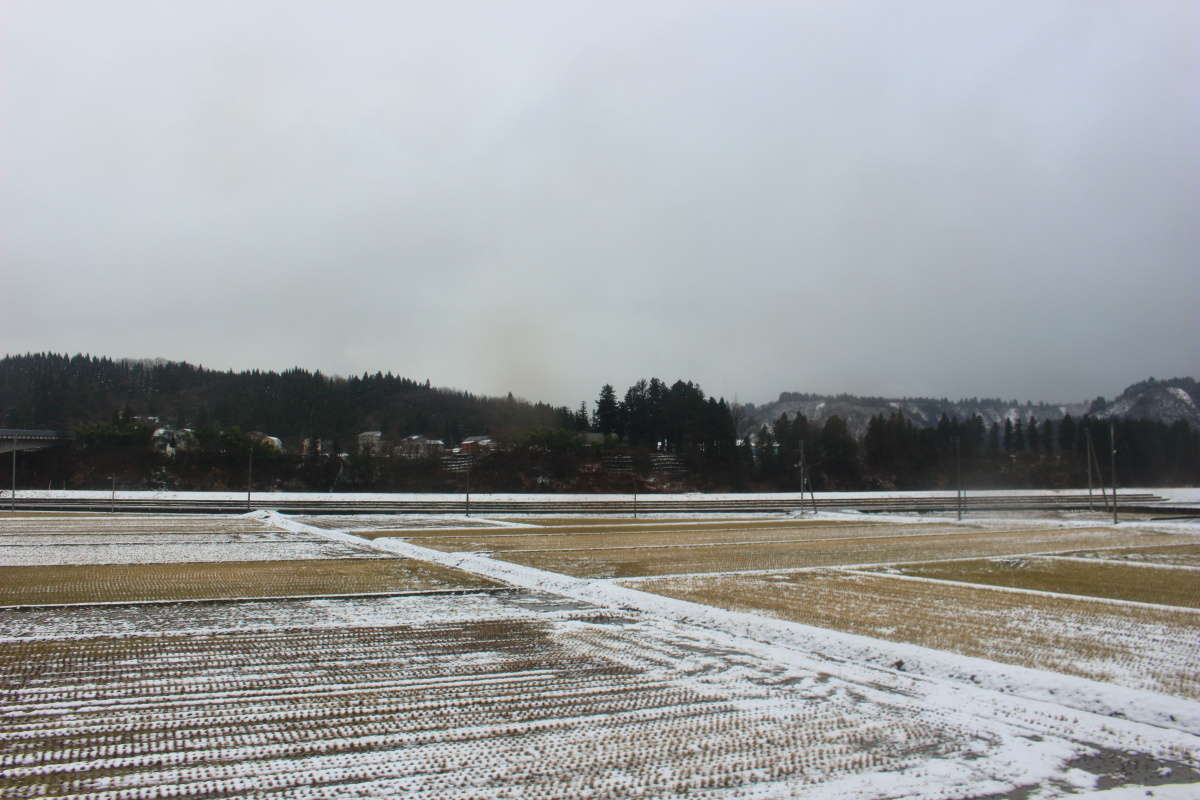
1164 401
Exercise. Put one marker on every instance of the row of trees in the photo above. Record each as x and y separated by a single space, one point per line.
545 448
896 453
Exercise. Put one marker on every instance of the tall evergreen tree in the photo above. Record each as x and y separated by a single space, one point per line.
608 412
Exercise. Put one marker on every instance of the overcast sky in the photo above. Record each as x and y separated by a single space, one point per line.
920 198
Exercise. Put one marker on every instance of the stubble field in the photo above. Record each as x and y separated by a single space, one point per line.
507 691
687 549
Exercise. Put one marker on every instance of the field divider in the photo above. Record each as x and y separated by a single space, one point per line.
1015 589
1118 562
863 565
728 544
250 599
419 533
1103 713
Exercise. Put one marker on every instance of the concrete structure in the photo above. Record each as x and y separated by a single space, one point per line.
25 440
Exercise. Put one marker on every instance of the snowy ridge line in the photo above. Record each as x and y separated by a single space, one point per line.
447 518
411 534
850 567
1100 712
255 598
1019 590
604 530
705 521
483 529
722 544
1117 562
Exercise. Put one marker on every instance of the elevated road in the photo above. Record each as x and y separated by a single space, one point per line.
22 440
495 505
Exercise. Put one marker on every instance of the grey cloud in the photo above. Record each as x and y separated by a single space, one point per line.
923 198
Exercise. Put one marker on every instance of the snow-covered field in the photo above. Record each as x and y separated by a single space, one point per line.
134 539
377 522
559 687
129 539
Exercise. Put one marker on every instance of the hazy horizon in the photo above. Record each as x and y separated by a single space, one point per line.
928 199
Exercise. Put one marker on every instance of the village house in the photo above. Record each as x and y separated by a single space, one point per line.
418 446
370 443
478 444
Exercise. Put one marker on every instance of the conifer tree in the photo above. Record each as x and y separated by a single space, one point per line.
608 412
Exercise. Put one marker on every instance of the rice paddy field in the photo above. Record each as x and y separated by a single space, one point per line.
578 706
116 583
1155 648
128 539
729 547
452 657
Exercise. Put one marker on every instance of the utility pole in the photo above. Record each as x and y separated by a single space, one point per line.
250 476
635 496
13 499
1087 435
1100 476
1095 462
470 462
802 476
1112 438
112 500
958 480
806 481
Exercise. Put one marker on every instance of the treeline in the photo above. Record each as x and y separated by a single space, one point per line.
47 390
655 435
676 419
895 453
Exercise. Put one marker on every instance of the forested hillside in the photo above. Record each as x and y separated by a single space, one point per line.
57 391
654 436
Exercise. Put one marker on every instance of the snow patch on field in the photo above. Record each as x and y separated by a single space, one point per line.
174 553
847 655
273 615
562 687
427 522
